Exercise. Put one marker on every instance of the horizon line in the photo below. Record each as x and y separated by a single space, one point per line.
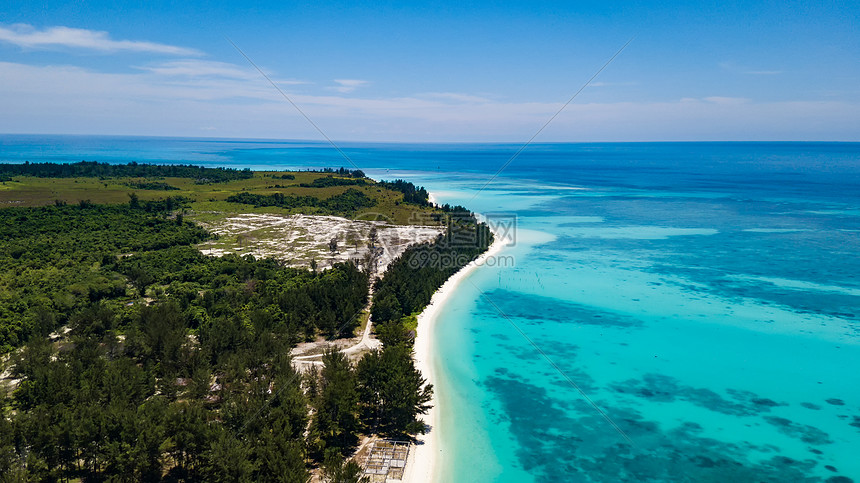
323 142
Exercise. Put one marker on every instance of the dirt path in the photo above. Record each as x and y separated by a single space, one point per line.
298 239
365 343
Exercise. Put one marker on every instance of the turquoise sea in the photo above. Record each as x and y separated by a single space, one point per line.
667 312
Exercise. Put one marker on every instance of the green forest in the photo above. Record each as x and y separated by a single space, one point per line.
411 280
134 170
411 193
346 203
138 358
332 181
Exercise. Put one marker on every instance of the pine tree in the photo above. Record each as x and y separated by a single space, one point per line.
337 470
393 391
336 416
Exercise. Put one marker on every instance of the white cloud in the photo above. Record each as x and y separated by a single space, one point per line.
197 69
733 67
456 97
75 83
27 36
348 85
191 99
200 68
726 100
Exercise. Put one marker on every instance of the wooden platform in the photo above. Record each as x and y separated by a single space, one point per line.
386 460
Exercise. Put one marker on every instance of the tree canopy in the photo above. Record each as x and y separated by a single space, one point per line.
138 358
108 170
191 382
347 202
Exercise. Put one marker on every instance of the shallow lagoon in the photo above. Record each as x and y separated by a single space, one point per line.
723 348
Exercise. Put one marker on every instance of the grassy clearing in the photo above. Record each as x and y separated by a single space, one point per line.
208 200
362 323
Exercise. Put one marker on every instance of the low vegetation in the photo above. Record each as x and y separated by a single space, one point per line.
347 203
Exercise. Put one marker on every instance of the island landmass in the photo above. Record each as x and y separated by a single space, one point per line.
182 323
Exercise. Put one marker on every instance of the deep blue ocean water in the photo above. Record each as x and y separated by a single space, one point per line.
668 311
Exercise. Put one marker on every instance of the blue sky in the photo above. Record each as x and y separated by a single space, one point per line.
434 71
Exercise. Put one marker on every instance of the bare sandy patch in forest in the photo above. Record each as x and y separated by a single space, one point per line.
298 239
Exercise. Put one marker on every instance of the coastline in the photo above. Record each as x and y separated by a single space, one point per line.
422 463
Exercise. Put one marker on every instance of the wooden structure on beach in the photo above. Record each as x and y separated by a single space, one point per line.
386 460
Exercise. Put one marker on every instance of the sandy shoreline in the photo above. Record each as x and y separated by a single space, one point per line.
422 463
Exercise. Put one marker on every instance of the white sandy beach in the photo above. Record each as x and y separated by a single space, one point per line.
422 463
